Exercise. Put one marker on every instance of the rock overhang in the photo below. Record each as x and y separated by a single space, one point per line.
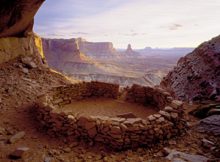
17 17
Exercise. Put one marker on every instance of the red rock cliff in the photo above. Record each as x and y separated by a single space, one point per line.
197 75
17 16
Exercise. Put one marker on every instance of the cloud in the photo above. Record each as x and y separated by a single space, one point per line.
79 33
175 26
163 23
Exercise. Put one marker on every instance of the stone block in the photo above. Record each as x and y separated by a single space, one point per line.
127 115
176 104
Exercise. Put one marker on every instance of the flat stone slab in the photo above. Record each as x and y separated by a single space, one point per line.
210 124
127 115
177 156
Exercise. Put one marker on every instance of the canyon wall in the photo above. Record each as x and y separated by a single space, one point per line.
16 24
197 75
97 49
13 47
60 51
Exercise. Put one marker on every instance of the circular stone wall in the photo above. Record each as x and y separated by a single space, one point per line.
117 132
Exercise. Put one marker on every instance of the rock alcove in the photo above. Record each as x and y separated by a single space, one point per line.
118 132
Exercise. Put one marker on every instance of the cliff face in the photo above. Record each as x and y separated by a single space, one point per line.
97 49
60 51
12 47
197 75
16 23
17 16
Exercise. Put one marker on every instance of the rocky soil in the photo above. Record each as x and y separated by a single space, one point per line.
21 138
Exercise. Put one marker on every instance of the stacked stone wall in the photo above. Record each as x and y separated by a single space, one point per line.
63 95
149 96
118 133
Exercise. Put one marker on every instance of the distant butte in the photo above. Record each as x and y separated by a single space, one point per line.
130 51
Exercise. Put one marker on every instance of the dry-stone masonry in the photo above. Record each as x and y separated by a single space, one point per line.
116 132
149 96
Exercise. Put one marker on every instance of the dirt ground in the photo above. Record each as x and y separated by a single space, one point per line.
107 107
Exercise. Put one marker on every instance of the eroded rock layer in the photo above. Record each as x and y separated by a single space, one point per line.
197 75
61 51
17 16
13 47
97 49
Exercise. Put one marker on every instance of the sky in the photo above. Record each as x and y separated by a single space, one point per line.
142 23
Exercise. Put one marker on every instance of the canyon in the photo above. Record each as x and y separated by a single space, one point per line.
37 123
100 61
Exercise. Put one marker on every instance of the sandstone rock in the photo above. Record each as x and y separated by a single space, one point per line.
67 150
169 109
58 101
133 121
16 137
115 130
97 49
25 70
17 17
214 112
207 144
71 117
19 153
19 47
92 132
59 52
160 120
174 115
202 110
119 133
86 123
196 76
177 156
47 159
165 114
123 127
28 62
129 51
210 124
2 131
127 115
74 144
151 118
157 115
176 104
172 142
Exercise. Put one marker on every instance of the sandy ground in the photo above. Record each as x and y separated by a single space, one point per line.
107 107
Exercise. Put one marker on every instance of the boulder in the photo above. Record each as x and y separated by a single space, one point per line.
19 153
17 137
127 115
177 156
210 124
